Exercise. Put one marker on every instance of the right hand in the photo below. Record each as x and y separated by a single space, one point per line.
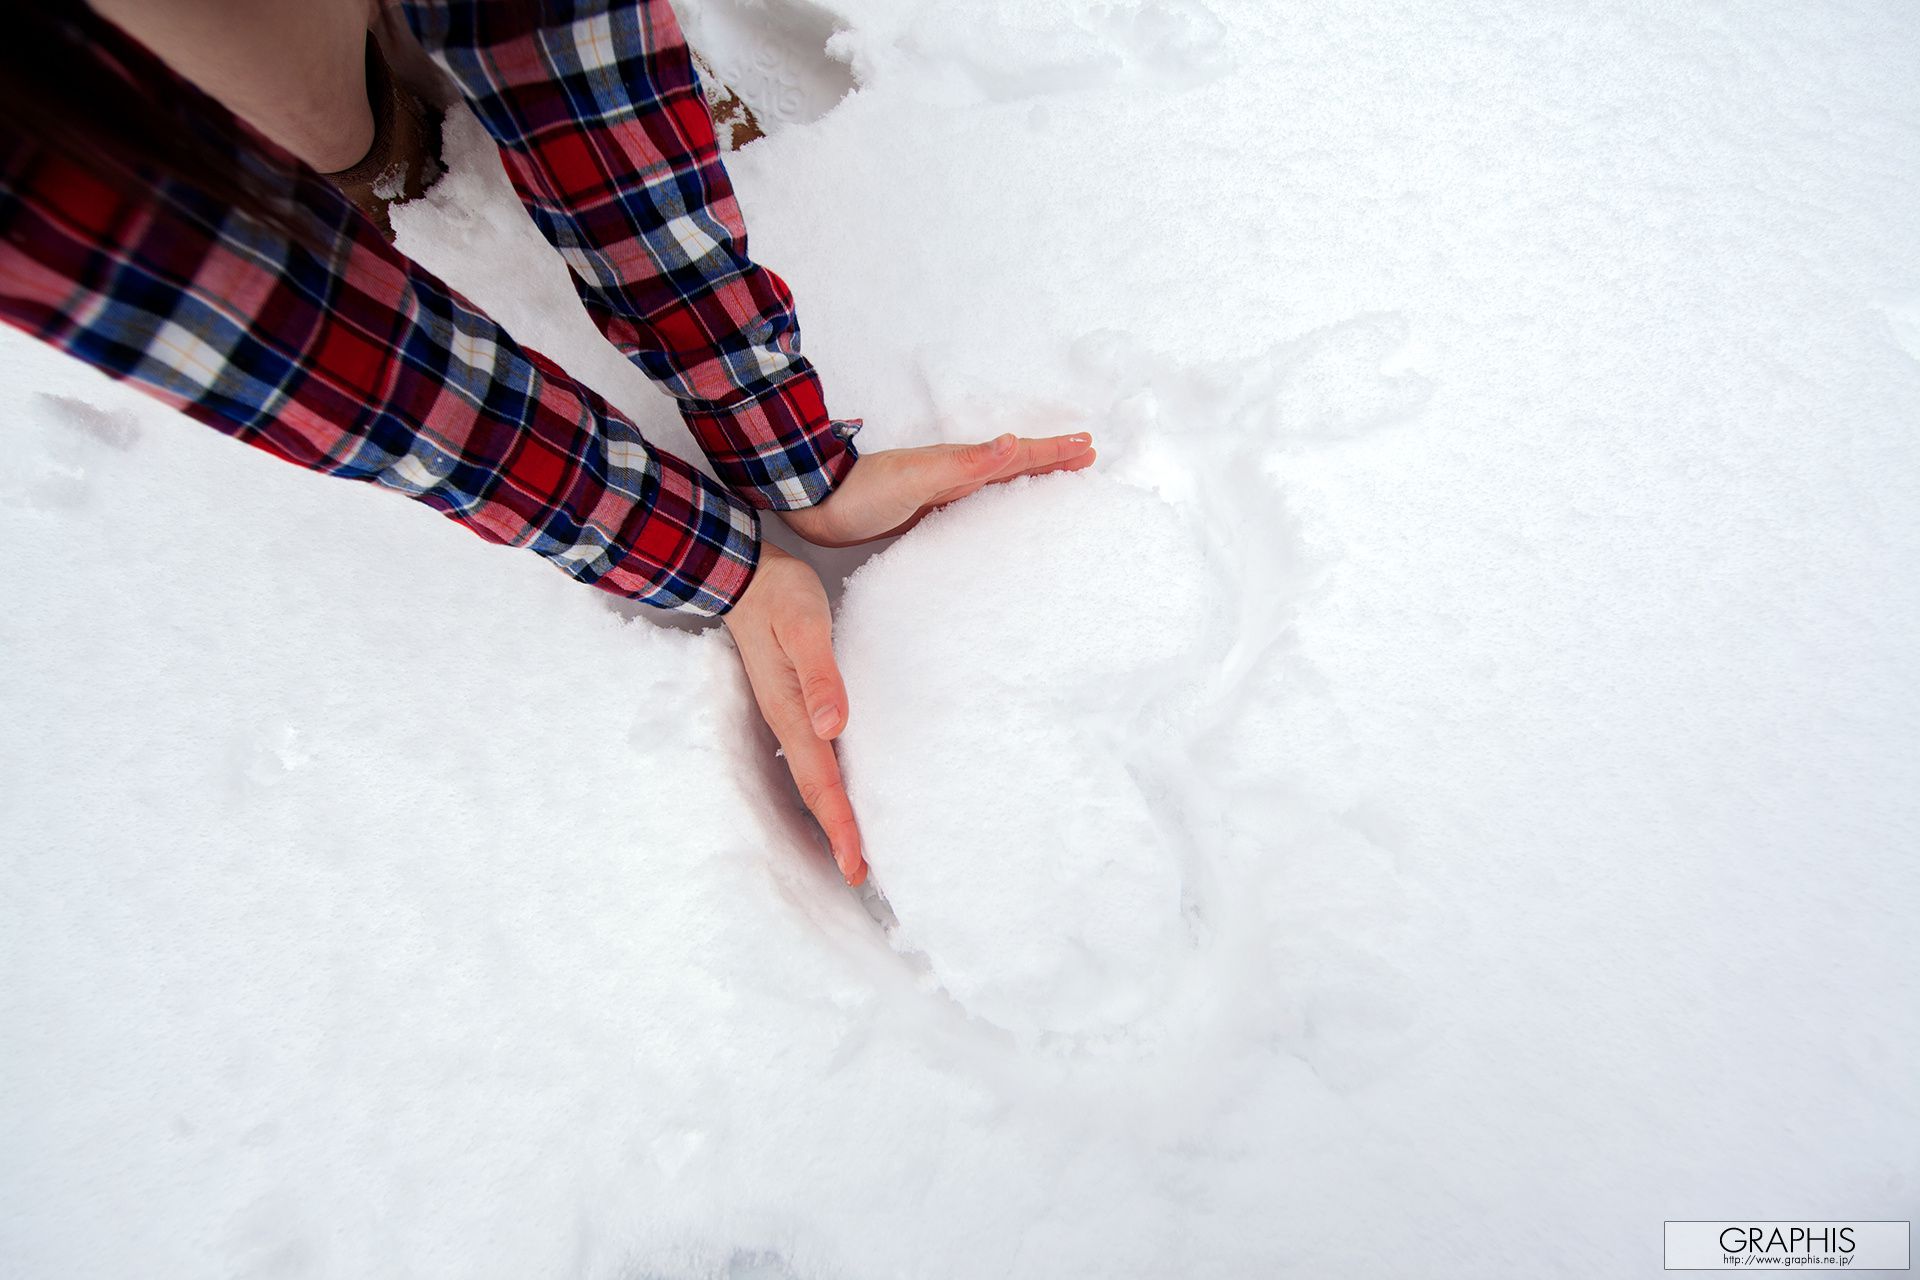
784 631
888 492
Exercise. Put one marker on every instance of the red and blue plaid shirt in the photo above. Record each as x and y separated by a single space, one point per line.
334 351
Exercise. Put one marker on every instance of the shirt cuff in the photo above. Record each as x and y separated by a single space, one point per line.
778 450
693 549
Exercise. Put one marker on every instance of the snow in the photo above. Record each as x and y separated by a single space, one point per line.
999 783
1439 797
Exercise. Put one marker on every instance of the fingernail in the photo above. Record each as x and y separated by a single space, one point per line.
1080 439
824 718
1003 445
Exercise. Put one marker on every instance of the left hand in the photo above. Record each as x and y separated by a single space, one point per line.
888 492
784 632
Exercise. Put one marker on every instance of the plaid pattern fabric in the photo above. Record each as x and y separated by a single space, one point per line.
600 118
335 352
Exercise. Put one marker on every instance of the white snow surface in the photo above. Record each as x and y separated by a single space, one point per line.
1001 784
1439 799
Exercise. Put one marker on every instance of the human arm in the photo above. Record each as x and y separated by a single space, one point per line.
329 349
690 545
599 117
601 124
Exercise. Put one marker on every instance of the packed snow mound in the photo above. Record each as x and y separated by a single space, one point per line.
1007 659
1506 428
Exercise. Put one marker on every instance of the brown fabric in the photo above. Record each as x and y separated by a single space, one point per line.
734 123
410 64
405 157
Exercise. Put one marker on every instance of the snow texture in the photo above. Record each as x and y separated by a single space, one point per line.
1438 799
1001 784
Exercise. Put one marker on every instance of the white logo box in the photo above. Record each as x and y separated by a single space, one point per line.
1804 1245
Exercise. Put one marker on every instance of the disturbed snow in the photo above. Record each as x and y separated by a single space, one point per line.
1448 776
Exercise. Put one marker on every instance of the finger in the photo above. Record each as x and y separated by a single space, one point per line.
810 759
951 466
1076 461
808 642
1048 453
816 773
962 469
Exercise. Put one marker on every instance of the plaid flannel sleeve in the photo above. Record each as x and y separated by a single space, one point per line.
599 116
346 358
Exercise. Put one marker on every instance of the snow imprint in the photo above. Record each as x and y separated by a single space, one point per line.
776 54
1080 821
